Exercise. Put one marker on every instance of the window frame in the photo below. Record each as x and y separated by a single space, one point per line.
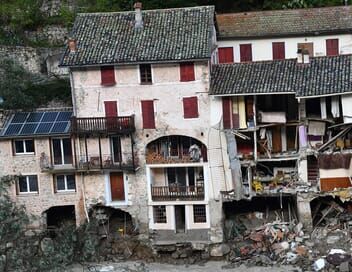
157 210
61 151
66 190
27 179
24 147
198 215
144 77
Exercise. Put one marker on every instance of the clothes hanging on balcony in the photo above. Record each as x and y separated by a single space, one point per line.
242 112
323 108
335 106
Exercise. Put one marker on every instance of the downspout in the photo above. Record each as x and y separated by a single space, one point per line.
84 197
73 94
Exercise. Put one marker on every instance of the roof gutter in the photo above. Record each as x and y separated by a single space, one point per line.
249 94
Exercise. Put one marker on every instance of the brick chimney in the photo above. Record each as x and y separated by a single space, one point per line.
138 15
72 44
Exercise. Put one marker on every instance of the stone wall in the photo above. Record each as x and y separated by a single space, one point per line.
53 7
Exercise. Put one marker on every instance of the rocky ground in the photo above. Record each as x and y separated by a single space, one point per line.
156 267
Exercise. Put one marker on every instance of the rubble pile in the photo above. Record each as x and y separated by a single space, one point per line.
327 247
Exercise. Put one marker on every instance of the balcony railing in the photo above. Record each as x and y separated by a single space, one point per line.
95 162
177 192
103 125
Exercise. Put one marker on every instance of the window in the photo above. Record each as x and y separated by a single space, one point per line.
278 50
148 114
27 184
116 149
306 46
145 71
24 146
332 47
62 151
225 55
159 213
107 75
190 107
65 183
226 112
199 214
187 71
246 52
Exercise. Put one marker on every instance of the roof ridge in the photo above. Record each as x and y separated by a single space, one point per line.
144 11
280 10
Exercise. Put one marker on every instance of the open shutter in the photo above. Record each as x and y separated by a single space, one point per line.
278 50
190 107
226 111
246 52
225 55
110 108
148 114
332 47
107 75
187 71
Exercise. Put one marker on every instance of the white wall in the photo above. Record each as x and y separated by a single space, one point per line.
262 48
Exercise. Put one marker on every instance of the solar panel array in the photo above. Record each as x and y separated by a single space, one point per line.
38 123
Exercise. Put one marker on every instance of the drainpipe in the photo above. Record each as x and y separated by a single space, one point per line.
84 197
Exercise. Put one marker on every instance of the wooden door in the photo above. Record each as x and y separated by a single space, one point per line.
180 218
277 147
117 187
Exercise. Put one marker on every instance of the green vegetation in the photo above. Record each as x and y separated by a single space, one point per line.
20 89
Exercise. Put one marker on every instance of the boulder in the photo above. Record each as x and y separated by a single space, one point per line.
220 250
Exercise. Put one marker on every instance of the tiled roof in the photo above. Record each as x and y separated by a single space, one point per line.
167 35
290 22
322 76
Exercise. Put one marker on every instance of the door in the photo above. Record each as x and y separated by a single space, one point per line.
180 218
117 187
111 113
277 147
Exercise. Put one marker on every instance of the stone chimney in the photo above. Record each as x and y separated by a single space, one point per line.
138 15
72 44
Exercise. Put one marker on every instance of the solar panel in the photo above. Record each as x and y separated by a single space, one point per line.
64 116
35 117
59 127
44 128
13 129
38 123
19 117
50 116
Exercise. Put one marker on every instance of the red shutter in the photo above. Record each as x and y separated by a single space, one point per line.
278 50
246 52
187 71
225 55
148 114
110 108
226 111
332 47
190 107
107 75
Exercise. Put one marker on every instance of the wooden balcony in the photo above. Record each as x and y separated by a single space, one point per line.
102 125
104 162
177 192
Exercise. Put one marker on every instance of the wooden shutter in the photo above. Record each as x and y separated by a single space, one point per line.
226 111
225 55
190 107
278 50
107 75
246 52
110 108
148 114
332 47
187 71
117 187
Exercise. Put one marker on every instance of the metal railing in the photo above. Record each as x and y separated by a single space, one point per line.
177 192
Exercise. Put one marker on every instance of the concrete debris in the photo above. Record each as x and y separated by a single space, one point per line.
319 264
220 250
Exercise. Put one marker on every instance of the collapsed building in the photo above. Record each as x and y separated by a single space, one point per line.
177 127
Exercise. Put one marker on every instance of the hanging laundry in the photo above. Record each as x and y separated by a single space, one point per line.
323 108
262 133
346 108
242 112
302 136
335 106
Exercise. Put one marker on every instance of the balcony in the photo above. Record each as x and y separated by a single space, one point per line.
103 162
177 192
102 125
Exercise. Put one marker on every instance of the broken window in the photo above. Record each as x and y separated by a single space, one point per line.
199 214
65 183
145 71
25 146
27 184
159 214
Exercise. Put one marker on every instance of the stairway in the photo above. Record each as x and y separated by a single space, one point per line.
313 170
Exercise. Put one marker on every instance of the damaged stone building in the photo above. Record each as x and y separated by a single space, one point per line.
182 117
